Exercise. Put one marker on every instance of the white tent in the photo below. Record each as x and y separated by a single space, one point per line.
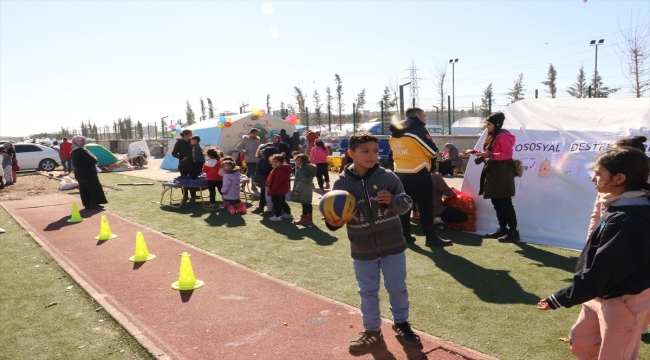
227 138
558 141
467 126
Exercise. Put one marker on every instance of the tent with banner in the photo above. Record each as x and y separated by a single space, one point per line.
558 141
225 137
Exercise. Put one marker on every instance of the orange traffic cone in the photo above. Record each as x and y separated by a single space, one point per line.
141 252
105 231
75 217
186 279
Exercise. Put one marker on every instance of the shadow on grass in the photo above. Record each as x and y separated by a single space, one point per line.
378 351
493 286
547 258
296 232
191 208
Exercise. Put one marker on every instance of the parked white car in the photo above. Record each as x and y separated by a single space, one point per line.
36 156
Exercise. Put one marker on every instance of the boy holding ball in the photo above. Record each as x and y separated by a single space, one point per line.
377 244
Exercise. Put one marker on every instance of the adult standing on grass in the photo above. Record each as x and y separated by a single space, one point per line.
85 172
64 151
498 176
183 152
412 150
612 279
294 142
248 146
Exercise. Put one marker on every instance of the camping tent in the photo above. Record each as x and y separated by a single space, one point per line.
558 141
467 126
104 156
227 138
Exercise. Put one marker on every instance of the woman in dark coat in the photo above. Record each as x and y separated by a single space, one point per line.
183 152
294 142
498 177
85 172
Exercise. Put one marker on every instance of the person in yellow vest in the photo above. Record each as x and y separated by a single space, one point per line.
411 152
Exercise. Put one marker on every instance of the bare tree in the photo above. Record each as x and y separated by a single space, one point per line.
189 113
393 83
361 103
317 108
328 101
244 100
202 110
282 112
439 77
268 104
551 81
300 100
339 98
634 51
579 89
210 108
517 91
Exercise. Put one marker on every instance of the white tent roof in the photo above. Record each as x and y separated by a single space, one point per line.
467 126
558 141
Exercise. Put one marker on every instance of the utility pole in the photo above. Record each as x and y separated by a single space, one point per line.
453 88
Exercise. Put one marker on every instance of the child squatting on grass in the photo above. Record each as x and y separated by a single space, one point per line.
377 243
612 279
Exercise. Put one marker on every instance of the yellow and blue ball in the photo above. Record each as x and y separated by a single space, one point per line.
338 205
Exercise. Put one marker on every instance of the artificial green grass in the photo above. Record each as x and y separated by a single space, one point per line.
70 329
478 293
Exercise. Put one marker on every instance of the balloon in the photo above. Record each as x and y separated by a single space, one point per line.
288 118
227 124
222 119
273 132
178 128
228 120
172 126
297 121
173 132
262 111
256 112
294 116
220 126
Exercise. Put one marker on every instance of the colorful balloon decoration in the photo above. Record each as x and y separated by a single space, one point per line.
228 124
228 120
256 112
220 125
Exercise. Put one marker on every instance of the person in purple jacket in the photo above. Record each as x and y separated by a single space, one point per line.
231 188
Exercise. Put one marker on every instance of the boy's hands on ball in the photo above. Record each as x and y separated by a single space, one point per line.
384 197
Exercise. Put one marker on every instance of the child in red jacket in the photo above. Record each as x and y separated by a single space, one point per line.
279 184
211 170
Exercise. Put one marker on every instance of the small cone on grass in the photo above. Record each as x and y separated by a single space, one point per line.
141 251
75 217
105 231
186 279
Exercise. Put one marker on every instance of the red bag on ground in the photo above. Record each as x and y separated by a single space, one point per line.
464 203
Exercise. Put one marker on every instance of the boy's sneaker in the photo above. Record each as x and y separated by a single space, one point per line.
511 237
406 333
367 339
287 216
258 210
275 218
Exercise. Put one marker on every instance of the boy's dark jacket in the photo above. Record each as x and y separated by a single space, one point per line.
376 230
183 149
264 167
616 258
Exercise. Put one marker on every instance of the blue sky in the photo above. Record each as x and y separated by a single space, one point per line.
63 62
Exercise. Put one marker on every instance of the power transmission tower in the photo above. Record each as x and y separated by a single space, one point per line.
415 97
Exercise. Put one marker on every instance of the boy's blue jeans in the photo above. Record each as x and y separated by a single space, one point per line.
367 272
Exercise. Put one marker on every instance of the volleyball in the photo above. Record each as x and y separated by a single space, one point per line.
338 205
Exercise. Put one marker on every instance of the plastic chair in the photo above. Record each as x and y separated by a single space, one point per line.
336 164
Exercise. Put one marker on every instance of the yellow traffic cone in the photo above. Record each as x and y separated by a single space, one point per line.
186 279
141 252
75 217
105 231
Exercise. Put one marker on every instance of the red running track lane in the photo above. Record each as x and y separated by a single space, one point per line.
238 314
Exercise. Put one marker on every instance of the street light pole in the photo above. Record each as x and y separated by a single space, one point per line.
401 99
453 88
594 43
